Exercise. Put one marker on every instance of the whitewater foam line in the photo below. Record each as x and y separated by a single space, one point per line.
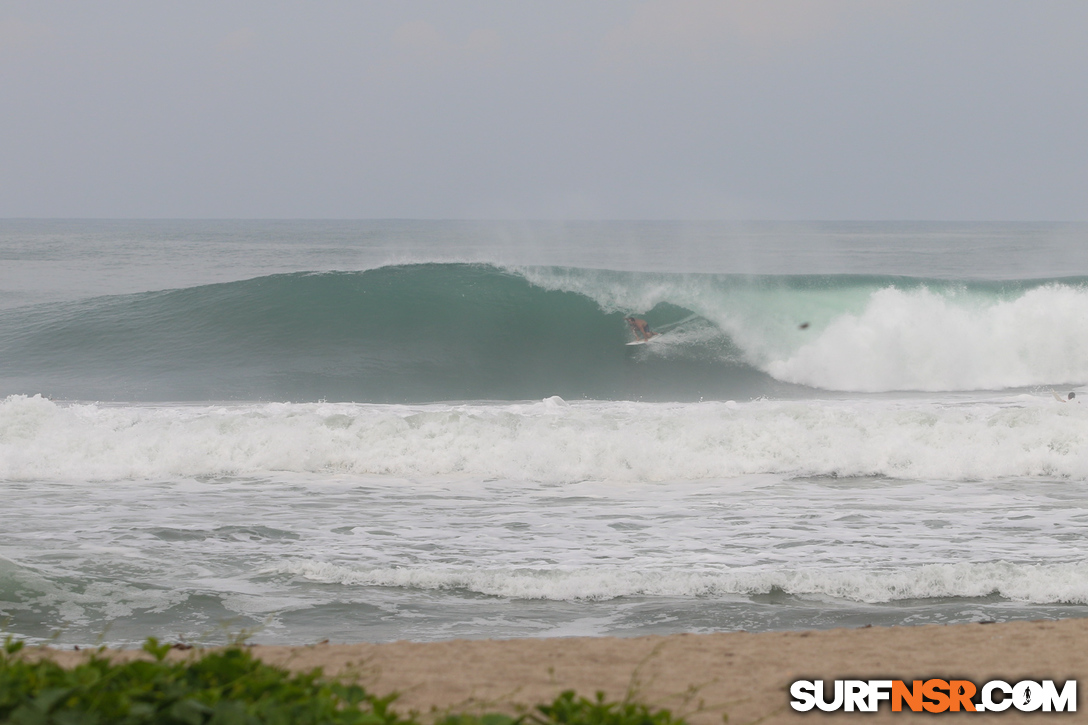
1036 584
547 441
922 340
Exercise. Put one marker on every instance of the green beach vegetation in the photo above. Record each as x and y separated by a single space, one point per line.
230 686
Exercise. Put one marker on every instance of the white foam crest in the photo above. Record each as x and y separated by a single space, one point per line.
921 340
1034 583
548 441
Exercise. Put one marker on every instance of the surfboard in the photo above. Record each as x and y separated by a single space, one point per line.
643 342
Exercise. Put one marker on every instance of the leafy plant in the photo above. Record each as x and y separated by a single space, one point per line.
228 686
231 687
570 709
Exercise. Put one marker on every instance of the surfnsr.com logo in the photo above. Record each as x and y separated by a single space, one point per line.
934 695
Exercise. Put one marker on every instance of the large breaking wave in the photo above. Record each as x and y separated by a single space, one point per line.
434 332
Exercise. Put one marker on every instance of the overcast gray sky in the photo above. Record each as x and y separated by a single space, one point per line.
692 109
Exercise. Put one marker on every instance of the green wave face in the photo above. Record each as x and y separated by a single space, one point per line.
441 332
397 334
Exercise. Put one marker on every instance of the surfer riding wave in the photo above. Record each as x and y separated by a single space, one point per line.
640 328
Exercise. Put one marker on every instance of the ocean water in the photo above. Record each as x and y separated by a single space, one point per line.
370 431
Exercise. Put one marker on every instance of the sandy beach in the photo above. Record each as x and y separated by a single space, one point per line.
705 676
